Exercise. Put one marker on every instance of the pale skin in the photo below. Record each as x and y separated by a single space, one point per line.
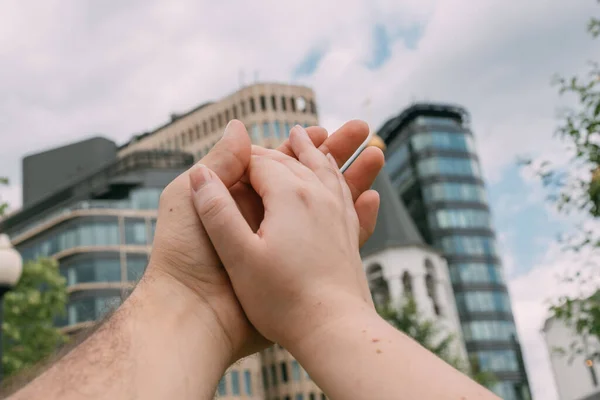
190 318
183 326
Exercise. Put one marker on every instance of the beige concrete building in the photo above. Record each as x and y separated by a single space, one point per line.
269 111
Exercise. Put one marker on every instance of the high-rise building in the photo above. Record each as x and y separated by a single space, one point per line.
433 165
575 368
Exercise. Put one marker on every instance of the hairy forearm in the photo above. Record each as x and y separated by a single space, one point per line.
363 357
145 350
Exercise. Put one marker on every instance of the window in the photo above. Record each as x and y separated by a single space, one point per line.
252 105
430 285
183 141
443 140
265 377
273 375
407 284
440 121
448 166
235 112
313 107
293 104
299 396
323 397
205 128
396 160
378 285
468 218
287 398
136 265
476 273
212 124
176 141
152 230
226 116
90 308
190 135
295 370
82 269
222 388
277 130
482 302
266 130
471 245
255 134
489 330
219 120
248 382
312 396
283 103
454 192
197 129
403 180
498 360
263 103
284 372
274 103
235 382
135 231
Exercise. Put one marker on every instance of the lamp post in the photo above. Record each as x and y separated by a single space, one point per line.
11 267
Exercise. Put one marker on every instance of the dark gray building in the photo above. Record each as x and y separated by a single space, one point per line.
434 169
95 213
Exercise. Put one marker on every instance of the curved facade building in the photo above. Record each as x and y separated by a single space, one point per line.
432 163
98 225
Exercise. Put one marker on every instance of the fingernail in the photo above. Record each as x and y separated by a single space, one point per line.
199 176
301 130
228 129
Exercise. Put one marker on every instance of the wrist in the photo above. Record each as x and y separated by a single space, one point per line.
172 309
328 319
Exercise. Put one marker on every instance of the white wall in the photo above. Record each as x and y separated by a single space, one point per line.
573 379
395 261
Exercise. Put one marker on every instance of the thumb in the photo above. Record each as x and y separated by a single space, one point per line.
230 156
227 229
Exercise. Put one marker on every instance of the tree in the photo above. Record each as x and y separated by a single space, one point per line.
30 309
576 188
430 335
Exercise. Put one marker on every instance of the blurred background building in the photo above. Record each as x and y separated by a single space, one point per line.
575 368
432 162
93 207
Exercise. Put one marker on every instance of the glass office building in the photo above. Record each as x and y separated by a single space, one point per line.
99 225
433 165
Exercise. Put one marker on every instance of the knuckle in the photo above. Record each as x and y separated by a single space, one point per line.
212 206
304 194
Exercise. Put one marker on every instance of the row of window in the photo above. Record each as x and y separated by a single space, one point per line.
476 273
88 309
233 388
482 302
444 141
488 330
102 268
296 373
451 191
89 232
395 160
218 121
448 166
300 396
511 390
466 218
436 121
467 245
497 360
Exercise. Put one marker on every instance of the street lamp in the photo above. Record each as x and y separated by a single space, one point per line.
11 266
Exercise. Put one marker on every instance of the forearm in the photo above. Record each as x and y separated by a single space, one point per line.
363 357
147 349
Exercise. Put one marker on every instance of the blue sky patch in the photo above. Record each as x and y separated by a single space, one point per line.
308 65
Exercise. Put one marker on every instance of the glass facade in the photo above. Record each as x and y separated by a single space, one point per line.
248 382
91 308
432 163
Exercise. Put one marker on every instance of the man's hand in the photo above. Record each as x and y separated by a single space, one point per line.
183 253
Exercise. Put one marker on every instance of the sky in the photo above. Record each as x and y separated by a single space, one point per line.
70 69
